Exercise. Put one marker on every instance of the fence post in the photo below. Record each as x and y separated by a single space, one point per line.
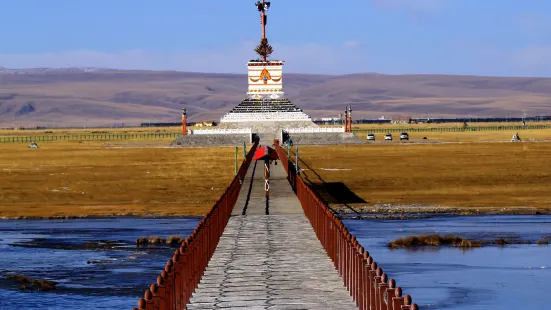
296 161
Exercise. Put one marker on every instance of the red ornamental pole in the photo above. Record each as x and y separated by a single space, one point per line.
349 118
345 120
184 122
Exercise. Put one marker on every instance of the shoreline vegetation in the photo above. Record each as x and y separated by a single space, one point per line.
392 212
172 240
398 211
435 240
25 283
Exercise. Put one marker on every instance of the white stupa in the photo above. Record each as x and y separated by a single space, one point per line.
265 105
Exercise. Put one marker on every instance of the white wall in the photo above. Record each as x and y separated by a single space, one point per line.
220 131
314 130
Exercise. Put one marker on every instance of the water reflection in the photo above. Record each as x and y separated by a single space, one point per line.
491 277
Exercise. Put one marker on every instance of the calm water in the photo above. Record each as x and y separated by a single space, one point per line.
510 277
87 279
487 278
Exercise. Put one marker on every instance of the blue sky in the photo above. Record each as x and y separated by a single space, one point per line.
480 37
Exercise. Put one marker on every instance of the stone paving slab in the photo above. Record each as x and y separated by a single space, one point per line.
269 256
252 197
270 262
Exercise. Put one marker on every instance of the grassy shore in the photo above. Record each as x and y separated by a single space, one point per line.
93 178
456 177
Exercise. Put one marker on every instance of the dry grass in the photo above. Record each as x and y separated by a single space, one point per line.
28 283
172 240
470 175
89 179
433 240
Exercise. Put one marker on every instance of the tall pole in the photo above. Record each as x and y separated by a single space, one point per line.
296 160
244 149
184 122
263 6
236 150
349 118
263 22
345 120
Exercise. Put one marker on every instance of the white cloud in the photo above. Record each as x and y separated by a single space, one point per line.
307 58
492 59
534 56
351 44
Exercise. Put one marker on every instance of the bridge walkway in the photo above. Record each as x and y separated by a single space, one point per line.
268 256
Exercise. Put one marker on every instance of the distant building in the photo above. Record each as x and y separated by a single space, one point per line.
401 120
205 123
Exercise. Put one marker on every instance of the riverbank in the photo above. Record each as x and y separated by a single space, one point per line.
504 178
403 211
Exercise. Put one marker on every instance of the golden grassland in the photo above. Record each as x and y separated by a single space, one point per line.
455 175
93 178
177 129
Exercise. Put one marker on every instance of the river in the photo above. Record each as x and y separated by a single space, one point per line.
86 278
490 277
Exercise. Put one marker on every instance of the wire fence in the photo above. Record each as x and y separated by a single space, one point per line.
366 282
182 273
88 137
454 129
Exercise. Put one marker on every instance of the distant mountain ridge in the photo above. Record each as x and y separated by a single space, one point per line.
53 70
101 96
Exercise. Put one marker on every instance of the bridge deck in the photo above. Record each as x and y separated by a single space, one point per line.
269 256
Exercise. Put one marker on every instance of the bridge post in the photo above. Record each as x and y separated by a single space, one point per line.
382 288
178 289
390 293
397 300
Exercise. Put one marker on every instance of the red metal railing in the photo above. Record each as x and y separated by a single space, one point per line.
368 285
184 270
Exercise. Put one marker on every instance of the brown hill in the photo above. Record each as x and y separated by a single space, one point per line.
79 98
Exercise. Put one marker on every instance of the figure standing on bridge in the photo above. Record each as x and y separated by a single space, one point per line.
267 154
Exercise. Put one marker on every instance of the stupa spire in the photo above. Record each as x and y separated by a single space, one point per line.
263 49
